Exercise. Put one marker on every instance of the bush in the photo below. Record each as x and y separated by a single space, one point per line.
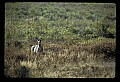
22 72
91 18
104 29
108 35
75 31
106 48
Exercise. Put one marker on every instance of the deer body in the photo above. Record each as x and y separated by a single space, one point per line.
37 48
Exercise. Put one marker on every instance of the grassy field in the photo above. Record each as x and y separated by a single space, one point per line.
78 39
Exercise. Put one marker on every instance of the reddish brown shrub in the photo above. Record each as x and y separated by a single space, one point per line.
106 48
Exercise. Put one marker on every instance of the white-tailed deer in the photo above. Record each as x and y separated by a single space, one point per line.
37 48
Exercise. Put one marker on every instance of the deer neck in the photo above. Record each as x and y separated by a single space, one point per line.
39 44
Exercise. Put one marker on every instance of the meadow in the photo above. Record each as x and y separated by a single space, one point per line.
78 39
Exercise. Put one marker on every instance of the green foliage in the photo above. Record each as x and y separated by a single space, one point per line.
57 20
103 29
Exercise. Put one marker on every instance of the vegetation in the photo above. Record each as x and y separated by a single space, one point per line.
79 39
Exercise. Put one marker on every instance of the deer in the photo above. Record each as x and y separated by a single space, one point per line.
37 48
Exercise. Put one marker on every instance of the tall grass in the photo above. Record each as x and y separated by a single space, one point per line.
67 61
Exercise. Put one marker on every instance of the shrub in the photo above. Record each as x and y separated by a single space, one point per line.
91 18
75 31
104 29
108 35
22 72
106 48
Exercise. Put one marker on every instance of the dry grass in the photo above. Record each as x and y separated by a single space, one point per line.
58 61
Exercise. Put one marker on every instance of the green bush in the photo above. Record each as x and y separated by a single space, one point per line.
103 29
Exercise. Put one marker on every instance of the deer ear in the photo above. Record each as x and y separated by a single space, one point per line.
36 38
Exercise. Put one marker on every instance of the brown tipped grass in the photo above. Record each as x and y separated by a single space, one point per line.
71 61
